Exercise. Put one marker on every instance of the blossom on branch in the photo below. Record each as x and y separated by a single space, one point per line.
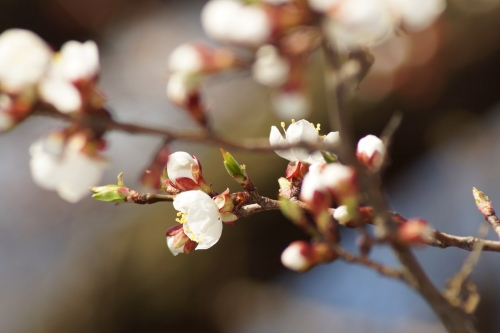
24 59
76 62
300 256
200 218
301 131
67 165
185 173
371 152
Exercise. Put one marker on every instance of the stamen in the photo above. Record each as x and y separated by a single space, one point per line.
293 121
283 125
182 219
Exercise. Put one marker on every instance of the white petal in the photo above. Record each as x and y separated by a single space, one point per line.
269 68
292 258
77 61
275 138
45 168
333 138
250 26
24 58
216 18
301 131
361 23
170 244
180 86
341 214
63 95
312 182
371 144
179 165
186 59
315 158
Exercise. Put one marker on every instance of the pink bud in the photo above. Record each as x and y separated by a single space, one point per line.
414 232
371 152
298 256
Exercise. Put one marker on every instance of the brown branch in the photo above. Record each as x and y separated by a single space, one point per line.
204 137
149 198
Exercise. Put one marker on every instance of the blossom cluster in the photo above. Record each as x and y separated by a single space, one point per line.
280 36
32 76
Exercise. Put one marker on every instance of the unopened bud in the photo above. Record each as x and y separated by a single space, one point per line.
235 170
342 215
414 232
225 203
371 152
300 256
112 193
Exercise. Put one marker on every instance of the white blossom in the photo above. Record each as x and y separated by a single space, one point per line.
250 26
300 131
270 69
186 59
179 165
181 86
332 178
200 218
295 257
64 167
217 18
358 23
290 104
371 152
76 61
63 95
24 58
341 214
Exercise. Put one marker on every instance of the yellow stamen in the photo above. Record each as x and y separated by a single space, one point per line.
183 218
283 124
293 121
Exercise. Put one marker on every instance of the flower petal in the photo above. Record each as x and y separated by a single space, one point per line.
304 131
179 165
275 138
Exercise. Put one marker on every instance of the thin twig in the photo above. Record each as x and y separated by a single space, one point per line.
485 206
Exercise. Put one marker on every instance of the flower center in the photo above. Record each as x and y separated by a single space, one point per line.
182 219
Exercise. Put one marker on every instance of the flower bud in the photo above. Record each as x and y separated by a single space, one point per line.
224 202
298 256
371 152
341 214
414 232
235 170
197 58
270 69
301 256
184 91
24 59
112 193
185 173
77 62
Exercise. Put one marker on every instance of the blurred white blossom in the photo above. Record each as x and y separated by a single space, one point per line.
332 179
323 6
371 152
270 69
24 58
342 215
233 21
185 59
76 61
181 87
64 166
63 95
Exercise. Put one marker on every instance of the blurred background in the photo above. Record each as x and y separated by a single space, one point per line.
93 267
